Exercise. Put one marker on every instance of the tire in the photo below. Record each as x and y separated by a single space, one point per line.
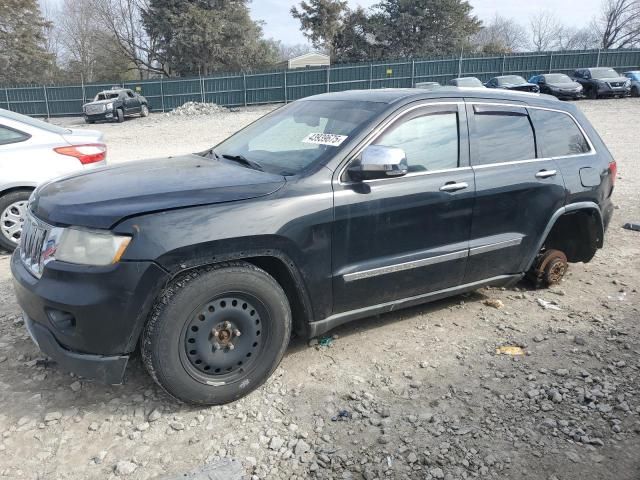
593 93
195 320
635 92
144 111
87 120
119 115
12 204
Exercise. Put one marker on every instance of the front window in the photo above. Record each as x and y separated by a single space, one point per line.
600 73
302 134
511 79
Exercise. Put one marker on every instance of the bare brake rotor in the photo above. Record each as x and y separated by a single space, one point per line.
550 268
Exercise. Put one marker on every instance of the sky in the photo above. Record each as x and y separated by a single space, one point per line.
281 26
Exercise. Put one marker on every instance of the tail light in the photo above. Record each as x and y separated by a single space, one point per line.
613 170
90 153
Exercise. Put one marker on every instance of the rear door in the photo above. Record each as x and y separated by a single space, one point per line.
395 238
517 190
132 103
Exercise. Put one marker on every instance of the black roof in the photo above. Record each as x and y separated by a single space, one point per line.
406 95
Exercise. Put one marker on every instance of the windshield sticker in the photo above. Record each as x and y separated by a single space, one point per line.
325 139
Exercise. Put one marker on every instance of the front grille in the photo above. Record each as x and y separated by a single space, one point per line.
34 234
616 84
94 109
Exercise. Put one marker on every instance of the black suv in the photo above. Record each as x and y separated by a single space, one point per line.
115 104
330 209
602 82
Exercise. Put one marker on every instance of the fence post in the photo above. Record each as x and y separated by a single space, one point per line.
244 87
504 58
6 94
413 73
201 86
46 100
286 96
328 78
598 59
550 62
370 76
460 63
84 94
162 95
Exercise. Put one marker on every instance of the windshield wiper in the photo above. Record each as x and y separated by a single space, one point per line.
243 160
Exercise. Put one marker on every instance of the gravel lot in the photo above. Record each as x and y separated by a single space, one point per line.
423 391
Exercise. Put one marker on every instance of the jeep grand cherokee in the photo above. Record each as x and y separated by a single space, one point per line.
330 209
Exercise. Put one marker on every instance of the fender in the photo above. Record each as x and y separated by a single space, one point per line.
572 207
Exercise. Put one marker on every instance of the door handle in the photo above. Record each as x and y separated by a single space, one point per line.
454 187
546 173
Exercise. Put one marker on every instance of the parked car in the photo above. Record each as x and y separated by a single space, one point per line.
559 85
32 151
602 82
333 208
634 76
114 105
467 82
512 82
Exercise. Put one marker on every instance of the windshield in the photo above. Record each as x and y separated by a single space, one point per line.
106 96
557 78
301 134
604 73
468 82
634 76
512 79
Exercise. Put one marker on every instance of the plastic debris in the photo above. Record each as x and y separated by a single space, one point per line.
325 341
495 303
548 305
343 415
192 109
509 350
632 226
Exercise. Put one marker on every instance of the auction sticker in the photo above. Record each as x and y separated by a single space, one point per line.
325 139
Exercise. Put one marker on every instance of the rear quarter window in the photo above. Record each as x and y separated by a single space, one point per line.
557 134
9 135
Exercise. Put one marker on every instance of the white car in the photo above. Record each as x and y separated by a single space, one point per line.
32 152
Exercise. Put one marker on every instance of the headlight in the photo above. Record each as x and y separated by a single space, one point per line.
85 247
109 106
627 83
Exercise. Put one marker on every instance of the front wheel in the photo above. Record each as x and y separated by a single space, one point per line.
635 92
144 111
119 115
13 211
217 333
593 93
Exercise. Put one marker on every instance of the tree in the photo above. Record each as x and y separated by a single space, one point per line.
321 21
578 39
23 54
545 31
356 41
286 51
424 27
203 36
619 23
123 18
500 35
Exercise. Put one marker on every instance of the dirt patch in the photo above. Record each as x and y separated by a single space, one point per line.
420 393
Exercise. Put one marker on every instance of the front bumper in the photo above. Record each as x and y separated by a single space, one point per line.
607 91
85 313
105 369
107 115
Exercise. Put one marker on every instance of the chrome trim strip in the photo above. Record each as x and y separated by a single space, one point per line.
495 246
400 267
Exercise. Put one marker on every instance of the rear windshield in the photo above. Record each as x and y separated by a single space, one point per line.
301 134
33 122
468 82
557 78
513 79
604 73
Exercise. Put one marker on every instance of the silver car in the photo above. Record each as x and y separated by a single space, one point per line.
634 76
32 152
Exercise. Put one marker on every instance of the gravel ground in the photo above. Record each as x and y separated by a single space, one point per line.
419 393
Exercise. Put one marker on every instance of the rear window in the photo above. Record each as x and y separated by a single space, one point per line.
502 136
33 122
558 135
8 135
511 79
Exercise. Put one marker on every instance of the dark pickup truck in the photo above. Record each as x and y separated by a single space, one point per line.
330 209
602 82
114 105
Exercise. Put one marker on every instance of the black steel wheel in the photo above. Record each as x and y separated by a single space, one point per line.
217 333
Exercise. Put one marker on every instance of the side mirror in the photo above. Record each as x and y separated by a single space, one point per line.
378 161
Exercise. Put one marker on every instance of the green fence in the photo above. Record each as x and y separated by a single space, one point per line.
277 86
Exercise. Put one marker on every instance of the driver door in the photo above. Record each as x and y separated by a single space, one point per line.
395 238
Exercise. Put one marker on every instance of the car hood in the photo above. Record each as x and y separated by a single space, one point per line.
613 79
103 197
101 102
564 85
